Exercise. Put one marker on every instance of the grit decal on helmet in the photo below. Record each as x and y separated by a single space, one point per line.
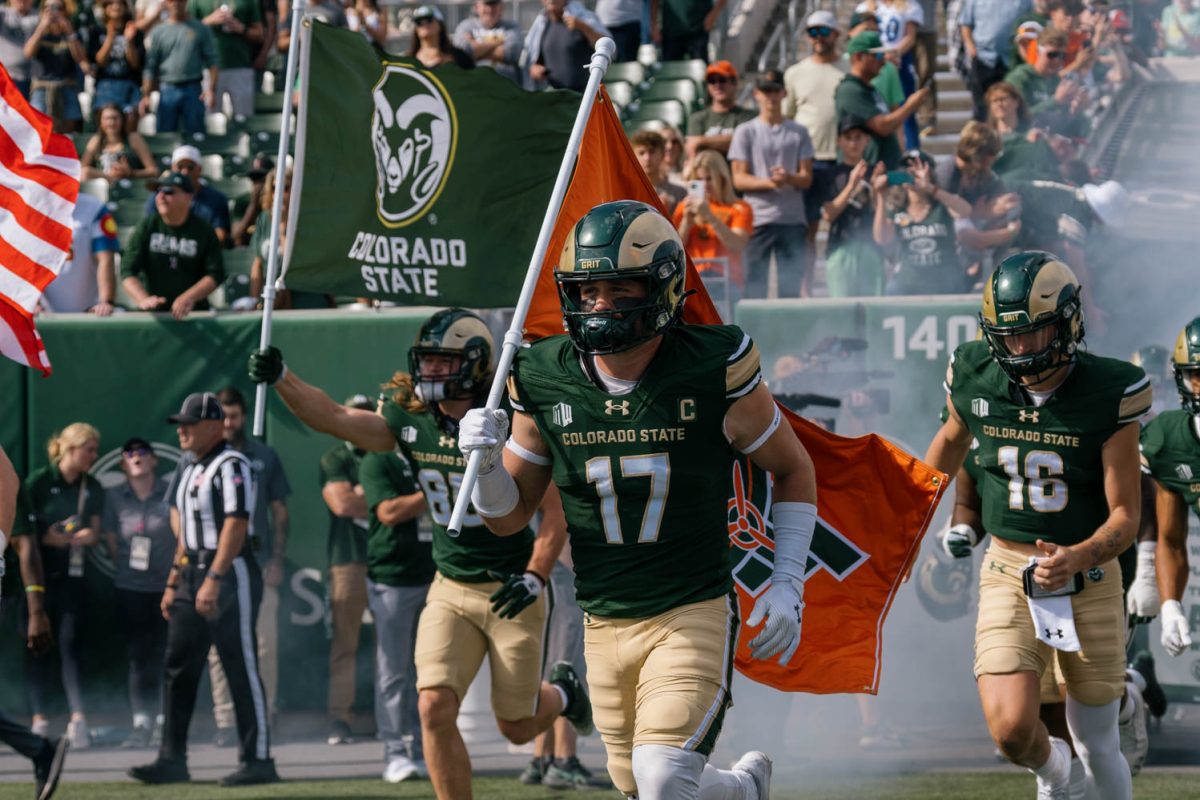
1185 363
614 241
464 339
414 132
1028 293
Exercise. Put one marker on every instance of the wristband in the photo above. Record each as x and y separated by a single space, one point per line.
35 587
3 542
794 526
172 586
215 576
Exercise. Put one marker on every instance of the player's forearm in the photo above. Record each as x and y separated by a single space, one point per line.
31 569
1112 538
400 509
1171 562
10 485
318 411
551 535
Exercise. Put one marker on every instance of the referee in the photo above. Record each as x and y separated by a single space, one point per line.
212 596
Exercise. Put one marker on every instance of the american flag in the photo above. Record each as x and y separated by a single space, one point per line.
39 183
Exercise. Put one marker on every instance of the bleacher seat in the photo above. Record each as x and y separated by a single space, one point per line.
269 103
632 126
230 187
96 187
621 92
213 166
671 112
628 71
681 89
270 123
127 188
226 144
693 69
128 213
216 123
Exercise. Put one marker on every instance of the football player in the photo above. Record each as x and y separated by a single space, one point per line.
489 596
637 419
1059 484
1171 455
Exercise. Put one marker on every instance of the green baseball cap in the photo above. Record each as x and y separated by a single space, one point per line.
866 42
175 180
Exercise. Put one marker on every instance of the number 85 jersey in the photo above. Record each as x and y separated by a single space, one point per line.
1041 474
644 476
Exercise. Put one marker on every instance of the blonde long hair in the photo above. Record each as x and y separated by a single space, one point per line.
714 163
404 394
77 434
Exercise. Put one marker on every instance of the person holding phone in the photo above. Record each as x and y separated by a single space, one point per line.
713 223
57 55
854 265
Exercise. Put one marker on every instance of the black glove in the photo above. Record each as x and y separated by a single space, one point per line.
266 366
517 593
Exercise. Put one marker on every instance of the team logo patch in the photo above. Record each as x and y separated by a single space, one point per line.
615 407
561 413
414 132
1184 471
1028 416
445 441
979 407
408 434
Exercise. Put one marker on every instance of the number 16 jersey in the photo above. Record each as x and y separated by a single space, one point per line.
644 476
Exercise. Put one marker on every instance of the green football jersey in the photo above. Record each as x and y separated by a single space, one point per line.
433 452
1171 454
1041 474
644 476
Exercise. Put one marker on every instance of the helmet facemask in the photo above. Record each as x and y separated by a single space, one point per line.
1038 364
631 322
461 341
1187 379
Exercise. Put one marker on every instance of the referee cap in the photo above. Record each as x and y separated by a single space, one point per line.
197 406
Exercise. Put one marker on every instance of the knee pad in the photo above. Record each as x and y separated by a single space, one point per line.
667 773
1094 693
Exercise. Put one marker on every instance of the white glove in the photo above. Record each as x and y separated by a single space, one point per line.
1143 592
783 609
484 430
958 540
1175 636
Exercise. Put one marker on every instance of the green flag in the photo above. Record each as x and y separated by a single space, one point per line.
419 186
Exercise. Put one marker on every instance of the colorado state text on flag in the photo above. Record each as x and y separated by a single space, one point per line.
39 183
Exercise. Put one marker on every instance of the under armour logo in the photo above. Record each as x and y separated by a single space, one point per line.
445 441
995 566
613 407
1029 416
1050 634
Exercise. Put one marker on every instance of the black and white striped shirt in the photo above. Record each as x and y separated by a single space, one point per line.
207 491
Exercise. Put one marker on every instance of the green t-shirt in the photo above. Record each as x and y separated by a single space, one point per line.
53 500
1023 160
1041 471
1037 90
887 83
397 555
430 443
170 260
857 99
233 50
928 252
707 122
683 17
347 537
644 477
1171 454
179 52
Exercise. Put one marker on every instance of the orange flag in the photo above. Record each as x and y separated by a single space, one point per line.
875 501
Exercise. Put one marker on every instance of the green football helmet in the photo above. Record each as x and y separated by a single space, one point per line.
614 241
1185 363
457 334
1027 293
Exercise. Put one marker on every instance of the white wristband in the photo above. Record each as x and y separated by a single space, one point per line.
1145 554
3 543
495 493
794 526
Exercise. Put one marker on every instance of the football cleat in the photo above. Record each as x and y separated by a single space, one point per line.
579 711
1135 740
1059 787
758 767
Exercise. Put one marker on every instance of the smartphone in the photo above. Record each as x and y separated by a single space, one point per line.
696 189
899 177
1035 591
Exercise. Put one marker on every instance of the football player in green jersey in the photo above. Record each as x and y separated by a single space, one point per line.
1059 486
489 596
1171 456
636 419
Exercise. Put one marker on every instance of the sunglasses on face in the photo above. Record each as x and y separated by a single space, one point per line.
1055 55
137 452
716 80
166 192
820 31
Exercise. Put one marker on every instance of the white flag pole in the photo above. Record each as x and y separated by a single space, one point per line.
285 129
601 58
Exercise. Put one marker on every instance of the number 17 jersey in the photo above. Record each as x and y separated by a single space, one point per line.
645 476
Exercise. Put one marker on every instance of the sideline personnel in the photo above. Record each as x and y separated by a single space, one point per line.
212 596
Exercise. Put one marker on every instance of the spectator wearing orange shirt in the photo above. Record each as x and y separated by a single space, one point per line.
717 225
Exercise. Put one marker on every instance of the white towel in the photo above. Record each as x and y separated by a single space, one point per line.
1054 621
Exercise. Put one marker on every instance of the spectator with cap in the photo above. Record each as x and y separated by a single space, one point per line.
987 28
247 207
18 19
173 259
712 126
1039 82
855 97
88 280
811 85
887 82
623 18
683 26
346 579
560 42
492 41
137 531
650 149
854 265
899 21
237 32
919 217
115 46
180 52
209 204
431 44
328 11
772 166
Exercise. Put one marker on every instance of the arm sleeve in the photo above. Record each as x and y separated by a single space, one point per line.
94 505
743 370
24 523
278 487
743 216
1135 400
695 125
739 148
150 71
108 520
237 488
376 481
133 260
806 146
214 257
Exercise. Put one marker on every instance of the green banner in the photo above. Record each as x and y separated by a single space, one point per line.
418 186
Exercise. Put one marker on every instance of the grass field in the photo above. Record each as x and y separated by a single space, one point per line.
935 786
